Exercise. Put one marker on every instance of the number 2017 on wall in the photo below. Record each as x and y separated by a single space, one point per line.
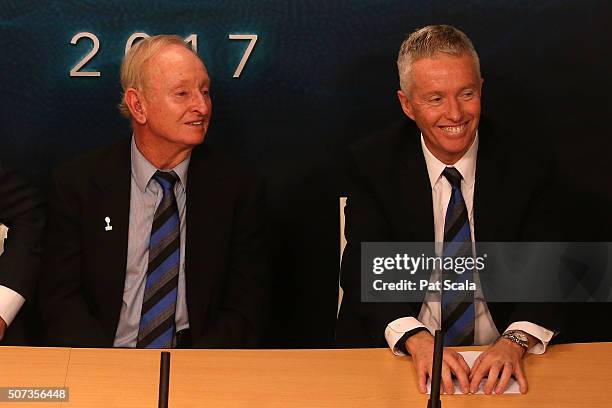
191 40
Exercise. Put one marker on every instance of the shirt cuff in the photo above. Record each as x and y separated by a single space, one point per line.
543 335
396 329
3 235
10 303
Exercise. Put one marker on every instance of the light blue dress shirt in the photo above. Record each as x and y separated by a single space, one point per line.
145 196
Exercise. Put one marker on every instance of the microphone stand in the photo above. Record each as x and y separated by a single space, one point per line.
164 379
436 375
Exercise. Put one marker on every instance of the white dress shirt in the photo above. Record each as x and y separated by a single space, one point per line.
485 331
10 301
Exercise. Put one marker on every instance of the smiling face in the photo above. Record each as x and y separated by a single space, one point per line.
170 115
444 100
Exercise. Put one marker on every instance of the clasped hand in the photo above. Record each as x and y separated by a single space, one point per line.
498 364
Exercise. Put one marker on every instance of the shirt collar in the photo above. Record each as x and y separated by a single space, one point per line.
143 170
466 164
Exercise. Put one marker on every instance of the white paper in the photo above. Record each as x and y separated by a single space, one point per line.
470 358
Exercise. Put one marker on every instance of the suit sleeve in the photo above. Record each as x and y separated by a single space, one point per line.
22 210
240 320
64 309
363 324
541 224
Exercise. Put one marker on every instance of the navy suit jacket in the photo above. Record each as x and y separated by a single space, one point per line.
225 261
390 199
22 210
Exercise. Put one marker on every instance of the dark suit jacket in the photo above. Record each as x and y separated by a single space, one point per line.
390 200
82 287
22 210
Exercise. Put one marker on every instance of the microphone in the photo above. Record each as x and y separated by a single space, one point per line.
436 375
164 379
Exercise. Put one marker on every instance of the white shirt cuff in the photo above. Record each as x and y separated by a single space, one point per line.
543 335
10 303
396 329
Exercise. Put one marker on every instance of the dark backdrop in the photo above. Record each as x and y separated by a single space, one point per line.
321 76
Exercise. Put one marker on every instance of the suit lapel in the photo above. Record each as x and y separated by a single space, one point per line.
111 198
489 210
208 226
488 201
415 205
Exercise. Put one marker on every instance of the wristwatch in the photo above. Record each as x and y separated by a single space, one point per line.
517 336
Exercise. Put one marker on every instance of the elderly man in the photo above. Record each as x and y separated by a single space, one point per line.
155 241
452 179
22 212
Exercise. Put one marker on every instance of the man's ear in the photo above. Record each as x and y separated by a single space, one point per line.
133 100
406 104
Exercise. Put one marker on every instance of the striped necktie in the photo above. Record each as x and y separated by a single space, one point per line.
457 306
157 327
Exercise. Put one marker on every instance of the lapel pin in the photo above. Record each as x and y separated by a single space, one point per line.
108 226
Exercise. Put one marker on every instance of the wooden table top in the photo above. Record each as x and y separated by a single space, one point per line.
33 366
571 375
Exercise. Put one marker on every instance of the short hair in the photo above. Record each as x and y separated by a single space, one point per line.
428 41
133 71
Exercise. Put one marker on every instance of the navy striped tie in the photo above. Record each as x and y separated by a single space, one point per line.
157 327
457 306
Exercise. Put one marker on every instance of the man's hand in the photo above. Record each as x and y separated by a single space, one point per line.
2 328
421 347
500 361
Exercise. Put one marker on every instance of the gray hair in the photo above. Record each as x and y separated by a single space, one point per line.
132 72
428 41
